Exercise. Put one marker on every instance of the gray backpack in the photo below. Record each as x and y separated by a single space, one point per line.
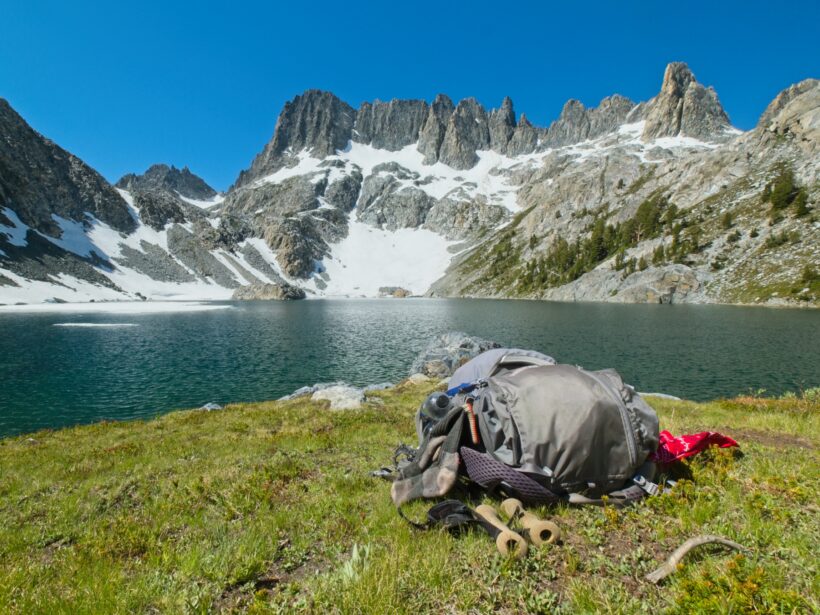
515 422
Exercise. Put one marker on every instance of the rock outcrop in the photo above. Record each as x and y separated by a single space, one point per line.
524 139
268 292
784 98
396 292
390 126
467 132
340 397
290 196
158 208
434 128
463 218
502 125
668 284
187 249
577 123
795 114
684 107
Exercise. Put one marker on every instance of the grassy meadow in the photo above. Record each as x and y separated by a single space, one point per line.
269 507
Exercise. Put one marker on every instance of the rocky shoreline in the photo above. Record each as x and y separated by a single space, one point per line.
435 364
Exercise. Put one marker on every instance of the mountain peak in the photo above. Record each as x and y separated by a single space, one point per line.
170 179
316 120
684 107
502 125
434 128
320 124
467 132
572 107
784 98
676 78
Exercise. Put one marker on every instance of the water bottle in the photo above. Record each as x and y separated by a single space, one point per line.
434 408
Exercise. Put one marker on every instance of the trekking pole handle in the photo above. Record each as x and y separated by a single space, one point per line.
539 531
507 541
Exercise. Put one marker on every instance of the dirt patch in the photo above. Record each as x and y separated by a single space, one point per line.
53 545
767 438
238 596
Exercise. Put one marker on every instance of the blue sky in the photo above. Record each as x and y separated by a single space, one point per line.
124 85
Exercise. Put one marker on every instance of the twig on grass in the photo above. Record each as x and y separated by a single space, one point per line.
671 564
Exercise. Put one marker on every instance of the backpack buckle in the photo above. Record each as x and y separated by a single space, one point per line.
648 486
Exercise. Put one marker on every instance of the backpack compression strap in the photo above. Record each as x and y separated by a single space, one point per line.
464 387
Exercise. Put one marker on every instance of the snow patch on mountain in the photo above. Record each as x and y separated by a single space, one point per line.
369 258
73 237
64 287
16 234
628 138
486 178
203 204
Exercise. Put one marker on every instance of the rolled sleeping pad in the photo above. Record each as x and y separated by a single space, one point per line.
539 531
507 541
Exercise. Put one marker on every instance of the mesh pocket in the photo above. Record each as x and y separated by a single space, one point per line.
490 473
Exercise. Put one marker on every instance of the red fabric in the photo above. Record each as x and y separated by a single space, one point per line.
671 448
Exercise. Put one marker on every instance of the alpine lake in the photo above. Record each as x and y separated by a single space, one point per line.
56 370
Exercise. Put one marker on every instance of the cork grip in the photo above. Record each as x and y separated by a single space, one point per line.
539 532
507 541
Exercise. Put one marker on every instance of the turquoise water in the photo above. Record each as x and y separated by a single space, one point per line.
51 376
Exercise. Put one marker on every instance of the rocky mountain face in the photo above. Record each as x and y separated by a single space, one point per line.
577 124
40 180
660 201
732 220
45 193
390 126
162 178
68 235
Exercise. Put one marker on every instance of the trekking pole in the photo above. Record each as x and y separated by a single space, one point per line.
507 541
537 530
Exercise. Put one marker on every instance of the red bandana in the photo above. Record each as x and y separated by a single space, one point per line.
671 448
